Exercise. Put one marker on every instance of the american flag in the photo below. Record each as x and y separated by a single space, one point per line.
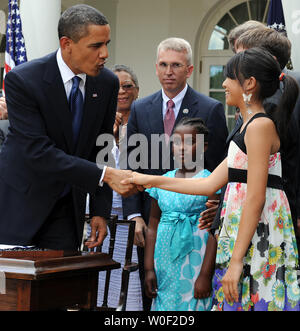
276 17
15 52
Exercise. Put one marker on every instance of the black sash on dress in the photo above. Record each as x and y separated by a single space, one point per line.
240 176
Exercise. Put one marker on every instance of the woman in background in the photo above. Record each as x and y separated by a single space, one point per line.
128 92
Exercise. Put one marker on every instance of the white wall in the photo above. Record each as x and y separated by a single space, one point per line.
142 24
39 26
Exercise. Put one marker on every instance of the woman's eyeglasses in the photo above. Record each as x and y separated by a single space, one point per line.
127 87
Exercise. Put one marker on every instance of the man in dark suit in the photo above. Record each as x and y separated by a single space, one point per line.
148 117
58 105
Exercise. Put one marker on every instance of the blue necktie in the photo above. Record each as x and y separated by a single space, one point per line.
76 107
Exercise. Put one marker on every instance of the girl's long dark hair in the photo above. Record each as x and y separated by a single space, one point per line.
260 64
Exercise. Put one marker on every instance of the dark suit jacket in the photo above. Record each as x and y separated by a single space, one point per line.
296 119
146 118
38 158
4 124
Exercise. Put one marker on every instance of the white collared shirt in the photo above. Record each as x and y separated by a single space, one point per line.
177 101
67 75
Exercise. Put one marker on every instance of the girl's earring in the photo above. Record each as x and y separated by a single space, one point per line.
247 99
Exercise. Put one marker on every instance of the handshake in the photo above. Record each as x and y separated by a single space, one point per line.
125 182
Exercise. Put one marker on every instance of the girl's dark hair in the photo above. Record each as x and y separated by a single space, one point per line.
259 63
196 123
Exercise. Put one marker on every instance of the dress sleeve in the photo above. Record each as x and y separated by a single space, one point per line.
153 192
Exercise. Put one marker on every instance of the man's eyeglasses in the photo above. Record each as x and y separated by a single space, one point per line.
127 87
173 66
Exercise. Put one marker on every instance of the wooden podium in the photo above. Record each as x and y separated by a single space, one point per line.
50 280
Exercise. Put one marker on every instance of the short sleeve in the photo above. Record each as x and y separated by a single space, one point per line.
152 192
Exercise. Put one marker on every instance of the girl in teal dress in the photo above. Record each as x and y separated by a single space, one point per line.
175 246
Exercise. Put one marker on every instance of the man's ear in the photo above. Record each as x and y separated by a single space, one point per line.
190 70
65 43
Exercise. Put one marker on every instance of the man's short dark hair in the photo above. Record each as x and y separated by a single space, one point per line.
240 29
74 21
273 41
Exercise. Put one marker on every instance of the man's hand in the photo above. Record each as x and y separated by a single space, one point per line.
140 231
207 216
3 109
98 232
113 177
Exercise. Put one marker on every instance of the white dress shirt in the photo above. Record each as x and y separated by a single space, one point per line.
177 101
67 75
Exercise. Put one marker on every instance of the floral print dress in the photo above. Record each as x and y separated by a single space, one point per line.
269 277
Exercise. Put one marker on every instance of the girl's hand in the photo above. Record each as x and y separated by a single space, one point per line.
138 179
230 281
202 288
150 284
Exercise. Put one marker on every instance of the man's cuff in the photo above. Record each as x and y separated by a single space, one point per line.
130 217
102 176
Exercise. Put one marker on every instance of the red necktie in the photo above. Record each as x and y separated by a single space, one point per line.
169 119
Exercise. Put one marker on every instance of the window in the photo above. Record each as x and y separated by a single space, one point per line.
249 10
218 51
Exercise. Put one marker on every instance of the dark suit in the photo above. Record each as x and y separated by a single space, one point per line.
4 125
38 159
296 118
146 118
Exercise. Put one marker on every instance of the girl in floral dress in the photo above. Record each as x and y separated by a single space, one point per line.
257 255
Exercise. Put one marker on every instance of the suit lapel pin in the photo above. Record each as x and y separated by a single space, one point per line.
94 95
185 111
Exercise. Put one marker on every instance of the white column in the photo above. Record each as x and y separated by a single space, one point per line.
291 9
39 25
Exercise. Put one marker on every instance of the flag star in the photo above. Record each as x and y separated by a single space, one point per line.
274 26
15 52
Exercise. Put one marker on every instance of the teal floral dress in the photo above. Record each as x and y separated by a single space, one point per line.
179 249
269 277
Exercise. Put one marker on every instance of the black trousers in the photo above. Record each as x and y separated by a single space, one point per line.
146 301
59 230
